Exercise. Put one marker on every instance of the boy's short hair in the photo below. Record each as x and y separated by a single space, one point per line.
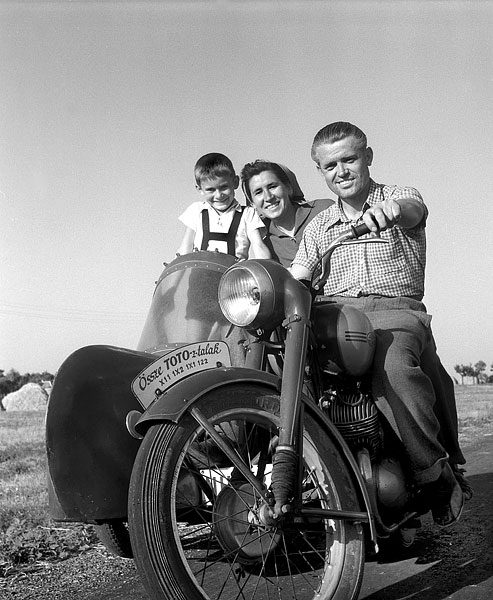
213 165
335 132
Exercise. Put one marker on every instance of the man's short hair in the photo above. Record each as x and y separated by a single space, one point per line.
335 132
213 165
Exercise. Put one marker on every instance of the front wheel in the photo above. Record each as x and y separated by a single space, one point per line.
196 522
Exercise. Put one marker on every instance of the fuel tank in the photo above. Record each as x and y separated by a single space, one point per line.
345 338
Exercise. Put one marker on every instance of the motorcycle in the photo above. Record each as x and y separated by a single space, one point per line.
238 451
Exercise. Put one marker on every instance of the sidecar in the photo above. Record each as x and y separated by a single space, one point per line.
99 392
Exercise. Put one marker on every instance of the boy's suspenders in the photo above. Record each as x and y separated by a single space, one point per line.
229 237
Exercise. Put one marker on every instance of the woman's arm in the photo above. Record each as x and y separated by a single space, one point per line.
300 272
257 246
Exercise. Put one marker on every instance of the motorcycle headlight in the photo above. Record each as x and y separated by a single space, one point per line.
251 294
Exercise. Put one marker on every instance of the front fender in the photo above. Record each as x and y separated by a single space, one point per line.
90 451
174 402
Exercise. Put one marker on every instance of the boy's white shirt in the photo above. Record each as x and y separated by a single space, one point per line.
220 222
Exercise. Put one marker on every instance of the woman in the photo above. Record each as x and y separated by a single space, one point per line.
276 195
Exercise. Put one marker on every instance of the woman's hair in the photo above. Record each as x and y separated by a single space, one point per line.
335 132
283 173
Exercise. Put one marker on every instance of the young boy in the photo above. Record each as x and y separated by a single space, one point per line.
219 222
216 223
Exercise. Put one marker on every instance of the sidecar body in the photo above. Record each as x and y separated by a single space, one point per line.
91 444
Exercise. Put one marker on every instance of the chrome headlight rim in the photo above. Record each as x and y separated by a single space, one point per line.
261 287
239 296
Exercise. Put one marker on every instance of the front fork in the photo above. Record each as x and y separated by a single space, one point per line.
288 455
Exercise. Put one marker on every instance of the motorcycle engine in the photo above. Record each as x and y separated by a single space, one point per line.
352 410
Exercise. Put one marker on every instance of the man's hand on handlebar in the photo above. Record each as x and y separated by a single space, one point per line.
407 212
382 216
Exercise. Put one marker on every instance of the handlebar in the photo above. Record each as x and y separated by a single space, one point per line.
359 230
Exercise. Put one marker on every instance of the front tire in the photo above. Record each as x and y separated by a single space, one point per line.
217 546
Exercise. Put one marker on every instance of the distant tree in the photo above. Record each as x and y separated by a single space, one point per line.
10 382
465 371
479 369
477 372
13 380
460 370
37 377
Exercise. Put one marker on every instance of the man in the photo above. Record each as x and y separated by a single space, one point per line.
386 282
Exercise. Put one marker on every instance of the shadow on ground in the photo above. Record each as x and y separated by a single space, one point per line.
460 556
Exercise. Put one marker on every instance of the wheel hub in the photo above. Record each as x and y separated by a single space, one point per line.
240 527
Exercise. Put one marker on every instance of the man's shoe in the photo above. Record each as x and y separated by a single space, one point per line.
447 499
465 486
407 533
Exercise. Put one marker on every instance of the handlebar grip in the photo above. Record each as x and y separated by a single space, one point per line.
359 230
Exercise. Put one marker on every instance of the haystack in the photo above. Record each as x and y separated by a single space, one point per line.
29 397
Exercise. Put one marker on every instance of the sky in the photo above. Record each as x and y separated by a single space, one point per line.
106 106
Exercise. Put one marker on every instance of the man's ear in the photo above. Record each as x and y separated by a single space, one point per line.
369 156
236 182
319 170
199 189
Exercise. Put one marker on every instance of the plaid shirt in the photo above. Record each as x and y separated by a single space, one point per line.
393 269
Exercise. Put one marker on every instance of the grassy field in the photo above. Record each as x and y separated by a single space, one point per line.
474 403
27 533
22 468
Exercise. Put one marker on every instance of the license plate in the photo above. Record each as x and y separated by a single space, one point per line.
171 368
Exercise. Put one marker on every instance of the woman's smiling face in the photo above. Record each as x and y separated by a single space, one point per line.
270 196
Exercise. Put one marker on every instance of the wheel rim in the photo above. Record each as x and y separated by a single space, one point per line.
224 543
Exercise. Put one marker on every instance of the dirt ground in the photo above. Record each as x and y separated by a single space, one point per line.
454 563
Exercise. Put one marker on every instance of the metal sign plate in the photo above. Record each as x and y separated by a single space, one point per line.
171 368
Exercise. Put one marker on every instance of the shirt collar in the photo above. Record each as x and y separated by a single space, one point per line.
303 210
234 206
336 213
374 195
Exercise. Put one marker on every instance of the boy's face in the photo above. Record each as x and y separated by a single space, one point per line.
219 192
